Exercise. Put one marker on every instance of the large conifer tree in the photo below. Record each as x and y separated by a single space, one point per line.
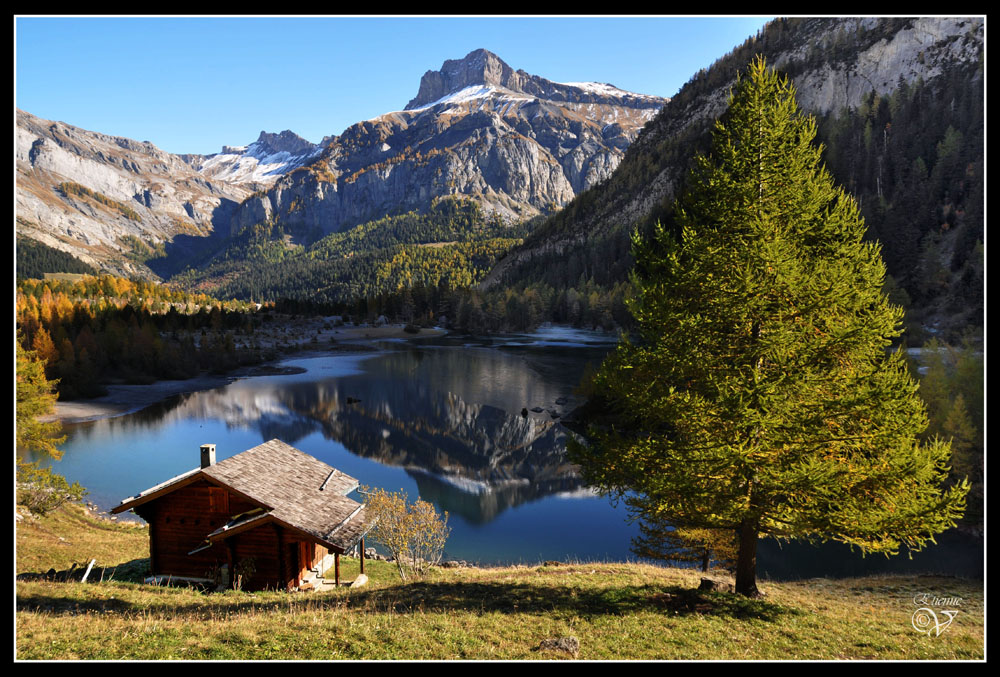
762 396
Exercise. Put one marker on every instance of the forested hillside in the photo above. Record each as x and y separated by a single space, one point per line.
103 329
914 159
452 245
35 259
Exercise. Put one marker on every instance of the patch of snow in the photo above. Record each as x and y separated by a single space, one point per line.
471 93
604 89
462 95
252 163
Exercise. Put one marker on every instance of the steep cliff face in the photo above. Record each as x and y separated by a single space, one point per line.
519 144
108 199
834 65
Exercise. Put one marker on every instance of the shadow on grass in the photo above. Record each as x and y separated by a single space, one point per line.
488 597
134 571
448 597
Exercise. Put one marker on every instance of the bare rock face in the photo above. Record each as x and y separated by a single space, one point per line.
519 144
101 197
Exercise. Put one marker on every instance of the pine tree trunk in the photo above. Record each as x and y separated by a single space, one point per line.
746 563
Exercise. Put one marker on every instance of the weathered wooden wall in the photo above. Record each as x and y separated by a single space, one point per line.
179 522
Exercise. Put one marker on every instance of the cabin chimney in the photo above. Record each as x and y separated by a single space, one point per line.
207 455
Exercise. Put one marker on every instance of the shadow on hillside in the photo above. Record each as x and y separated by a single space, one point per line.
185 250
430 597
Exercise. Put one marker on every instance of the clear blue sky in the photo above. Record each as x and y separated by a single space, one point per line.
190 85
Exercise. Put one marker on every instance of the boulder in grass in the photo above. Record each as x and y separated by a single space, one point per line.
716 585
570 645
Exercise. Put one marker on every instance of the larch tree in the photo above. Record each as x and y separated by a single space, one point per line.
762 394
39 489
35 397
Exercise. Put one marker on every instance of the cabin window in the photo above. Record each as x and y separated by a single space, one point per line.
218 500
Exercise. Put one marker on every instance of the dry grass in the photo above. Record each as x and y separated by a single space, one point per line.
617 611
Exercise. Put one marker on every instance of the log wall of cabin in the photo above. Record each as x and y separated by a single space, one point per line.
179 522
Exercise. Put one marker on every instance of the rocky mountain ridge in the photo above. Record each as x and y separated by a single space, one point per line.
261 163
519 144
483 68
833 63
110 201
493 135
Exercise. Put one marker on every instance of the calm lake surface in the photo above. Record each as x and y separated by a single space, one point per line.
441 420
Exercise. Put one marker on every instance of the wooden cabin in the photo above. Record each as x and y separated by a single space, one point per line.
271 514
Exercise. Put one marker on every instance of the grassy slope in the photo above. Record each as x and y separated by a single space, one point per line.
618 611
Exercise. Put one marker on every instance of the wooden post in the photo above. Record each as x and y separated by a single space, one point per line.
152 549
231 561
336 569
362 554
281 555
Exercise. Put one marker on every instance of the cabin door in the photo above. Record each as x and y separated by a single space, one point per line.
305 559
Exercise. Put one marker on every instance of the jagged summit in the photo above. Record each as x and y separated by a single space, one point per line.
517 143
484 71
262 162
479 67
285 142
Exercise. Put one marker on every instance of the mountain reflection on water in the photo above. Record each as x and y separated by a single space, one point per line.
449 416
442 420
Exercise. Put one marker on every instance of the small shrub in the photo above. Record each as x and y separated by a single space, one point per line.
414 533
41 491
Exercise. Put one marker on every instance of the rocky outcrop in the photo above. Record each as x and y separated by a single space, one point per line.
519 144
483 68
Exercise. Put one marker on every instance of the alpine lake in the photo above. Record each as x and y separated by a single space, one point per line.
440 419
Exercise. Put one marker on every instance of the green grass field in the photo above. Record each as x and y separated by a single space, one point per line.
615 611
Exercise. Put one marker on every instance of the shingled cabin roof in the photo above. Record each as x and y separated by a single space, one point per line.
292 488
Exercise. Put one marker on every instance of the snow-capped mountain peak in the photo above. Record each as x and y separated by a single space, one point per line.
263 161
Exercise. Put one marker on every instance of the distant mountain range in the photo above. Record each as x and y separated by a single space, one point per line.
519 144
899 104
